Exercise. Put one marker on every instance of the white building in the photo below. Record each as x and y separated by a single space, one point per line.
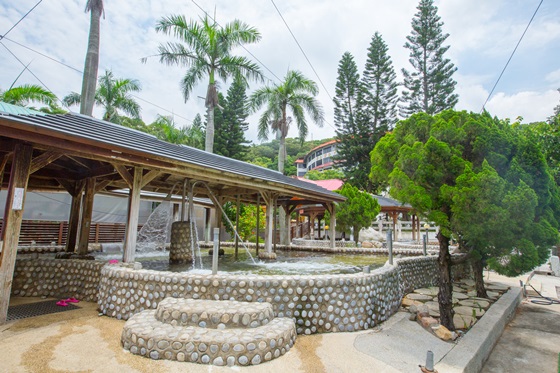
319 158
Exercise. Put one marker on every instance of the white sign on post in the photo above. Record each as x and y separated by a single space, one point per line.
18 199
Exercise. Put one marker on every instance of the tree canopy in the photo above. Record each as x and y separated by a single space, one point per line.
113 94
205 49
295 93
358 211
429 87
479 180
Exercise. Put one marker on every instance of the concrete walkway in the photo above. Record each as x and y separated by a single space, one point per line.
80 340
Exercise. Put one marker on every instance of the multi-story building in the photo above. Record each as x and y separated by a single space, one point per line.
319 158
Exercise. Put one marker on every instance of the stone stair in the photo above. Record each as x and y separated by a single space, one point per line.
209 332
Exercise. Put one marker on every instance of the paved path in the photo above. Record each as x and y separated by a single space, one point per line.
82 341
531 341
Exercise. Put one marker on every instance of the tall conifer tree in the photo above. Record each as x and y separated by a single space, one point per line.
380 88
429 87
352 131
230 132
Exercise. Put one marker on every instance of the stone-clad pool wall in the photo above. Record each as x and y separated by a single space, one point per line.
318 304
57 278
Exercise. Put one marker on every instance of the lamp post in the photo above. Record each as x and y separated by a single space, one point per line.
425 240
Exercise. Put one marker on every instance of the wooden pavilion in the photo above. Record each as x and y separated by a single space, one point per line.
84 156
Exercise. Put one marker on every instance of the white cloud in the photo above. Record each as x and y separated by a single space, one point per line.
482 34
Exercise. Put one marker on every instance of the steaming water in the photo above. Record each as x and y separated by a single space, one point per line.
287 263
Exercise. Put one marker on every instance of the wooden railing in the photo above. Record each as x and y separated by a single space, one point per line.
54 232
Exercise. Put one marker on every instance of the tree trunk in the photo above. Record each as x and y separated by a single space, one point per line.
282 154
445 294
356 234
211 103
209 145
89 81
478 273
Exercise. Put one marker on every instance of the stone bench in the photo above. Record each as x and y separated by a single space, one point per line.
212 314
165 333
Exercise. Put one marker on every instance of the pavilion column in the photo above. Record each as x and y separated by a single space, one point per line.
87 210
131 233
75 189
332 224
13 215
312 216
413 226
394 214
267 253
287 223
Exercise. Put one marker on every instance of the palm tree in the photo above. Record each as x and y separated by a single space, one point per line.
164 128
207 52
113 94
23 95
296 93
95 7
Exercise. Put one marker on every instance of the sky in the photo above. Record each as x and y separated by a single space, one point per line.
482 36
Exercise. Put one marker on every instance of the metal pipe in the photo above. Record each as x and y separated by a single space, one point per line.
390 244
215 251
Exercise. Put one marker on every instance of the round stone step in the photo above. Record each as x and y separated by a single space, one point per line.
146 336
223 314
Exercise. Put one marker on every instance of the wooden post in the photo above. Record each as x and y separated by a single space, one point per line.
332 225
269 223
132 220
73 223
60 232
87 210
13 215
258 220
237 226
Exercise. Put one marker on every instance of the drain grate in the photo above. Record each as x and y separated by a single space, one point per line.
23 311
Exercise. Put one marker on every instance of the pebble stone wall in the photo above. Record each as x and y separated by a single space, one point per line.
209 332
57 278
317 304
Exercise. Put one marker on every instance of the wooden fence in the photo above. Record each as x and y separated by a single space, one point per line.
49 232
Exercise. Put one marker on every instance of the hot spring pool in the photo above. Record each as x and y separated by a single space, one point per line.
287 263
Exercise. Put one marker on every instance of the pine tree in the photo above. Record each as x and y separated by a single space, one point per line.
352 131
430 86
230 132
380 88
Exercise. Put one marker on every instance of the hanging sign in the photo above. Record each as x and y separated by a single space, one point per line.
17 204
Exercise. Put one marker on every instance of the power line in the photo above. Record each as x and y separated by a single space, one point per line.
301 49
511 56
81 72
242 46
21 19
26 67
44 55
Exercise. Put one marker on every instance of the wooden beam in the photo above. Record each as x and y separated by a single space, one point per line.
127 177
132 221
99 186
146 179
43 160
3 163
13 215
73 222
87 210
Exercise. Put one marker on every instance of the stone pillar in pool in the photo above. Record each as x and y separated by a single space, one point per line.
180 250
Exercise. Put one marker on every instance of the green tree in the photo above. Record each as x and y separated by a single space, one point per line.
358 211
205 49
379 82
296 93
352 130
91 65
165 128
333 173
27 93
230 133
470 174
112 94
429 87
247 220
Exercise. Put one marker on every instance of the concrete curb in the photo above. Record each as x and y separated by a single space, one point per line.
473 350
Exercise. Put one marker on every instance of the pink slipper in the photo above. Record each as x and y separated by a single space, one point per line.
62 303
71 300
